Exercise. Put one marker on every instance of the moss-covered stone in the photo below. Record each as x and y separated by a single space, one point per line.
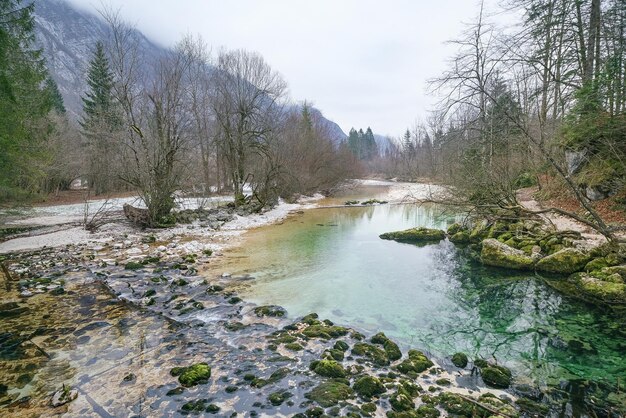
417 362
328 368
496 376
461 237
371 352
415 235
532 407
565 261
270 310
401 401
459 360
495 253
294 347
455 228
133 265
456 405
277 398
341 345
496 404
324 331
369 386
192 375
330 393
427 411
596 264
391 348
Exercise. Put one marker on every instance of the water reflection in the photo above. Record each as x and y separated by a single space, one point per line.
434 297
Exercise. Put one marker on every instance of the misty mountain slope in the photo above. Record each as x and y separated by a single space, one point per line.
67 36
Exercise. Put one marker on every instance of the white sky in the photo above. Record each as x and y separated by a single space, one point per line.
362 62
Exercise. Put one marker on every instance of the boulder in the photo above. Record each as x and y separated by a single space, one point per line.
415 235
565 261
495 253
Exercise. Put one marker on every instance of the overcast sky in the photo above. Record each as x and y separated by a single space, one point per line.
362 62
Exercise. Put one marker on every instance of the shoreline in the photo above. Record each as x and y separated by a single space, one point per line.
134 268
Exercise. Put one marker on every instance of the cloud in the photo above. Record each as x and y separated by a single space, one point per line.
362 62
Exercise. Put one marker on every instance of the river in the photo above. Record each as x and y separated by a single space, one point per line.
434 297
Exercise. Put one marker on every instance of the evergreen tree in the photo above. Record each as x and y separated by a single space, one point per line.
370 148
100 122
353 142
54 95
24 103
98 102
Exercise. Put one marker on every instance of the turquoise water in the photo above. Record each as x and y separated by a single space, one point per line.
431 297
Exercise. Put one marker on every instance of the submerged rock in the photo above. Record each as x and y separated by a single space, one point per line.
498 254
415 235
192 375
328 394
63 396
416 363
565 261
270 310
496 376
459 360
592 289
369 386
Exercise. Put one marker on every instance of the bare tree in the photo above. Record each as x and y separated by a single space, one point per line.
247 104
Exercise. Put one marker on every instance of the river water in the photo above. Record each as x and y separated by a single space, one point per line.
431 297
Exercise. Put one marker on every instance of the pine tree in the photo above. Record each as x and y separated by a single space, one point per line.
100 121
24 103
370 146
98 103
54 95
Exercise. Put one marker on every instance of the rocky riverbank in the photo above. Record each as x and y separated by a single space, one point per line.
595 274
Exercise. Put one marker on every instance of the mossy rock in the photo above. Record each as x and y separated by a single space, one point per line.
277 398
589 288
133 265
497 404
324 331
328 368
372 353
417 362
369 386
330 393
415 235
565 261
192 375
496 376
341 345
427 411
459 360
494 253
270 310
479 232
391 348
294 347
497 229
457 406
401 401
455 228
596 264
532 407
461 237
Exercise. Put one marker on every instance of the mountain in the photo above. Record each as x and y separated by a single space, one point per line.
383 143
67 36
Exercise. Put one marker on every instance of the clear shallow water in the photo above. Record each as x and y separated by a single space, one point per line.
431 297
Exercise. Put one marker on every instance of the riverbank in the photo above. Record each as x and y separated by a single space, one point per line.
143 304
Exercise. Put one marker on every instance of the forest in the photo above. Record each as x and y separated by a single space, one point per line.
180 236
538 102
